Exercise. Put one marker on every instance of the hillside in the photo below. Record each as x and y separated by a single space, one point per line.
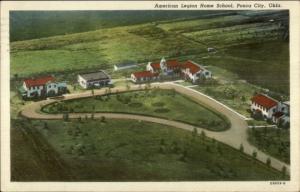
239 39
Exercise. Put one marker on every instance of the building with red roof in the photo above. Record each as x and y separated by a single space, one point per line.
166 66
271 109
265 104
143 76
194 71
42 87
171 68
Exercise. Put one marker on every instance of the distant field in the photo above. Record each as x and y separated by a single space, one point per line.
241 40
159 103
258 63
36 24
128 150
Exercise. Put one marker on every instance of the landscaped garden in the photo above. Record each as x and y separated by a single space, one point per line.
156 102
130 150
274 141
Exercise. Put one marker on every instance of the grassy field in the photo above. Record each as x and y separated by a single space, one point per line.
229 89
160 103
275 142
127 150
36 24
259 64
32 158
240 39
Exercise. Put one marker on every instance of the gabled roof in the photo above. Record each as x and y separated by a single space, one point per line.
264 101
38 81
194 68
172 63
94 76
140 74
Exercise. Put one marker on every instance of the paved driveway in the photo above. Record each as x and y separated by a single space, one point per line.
234 137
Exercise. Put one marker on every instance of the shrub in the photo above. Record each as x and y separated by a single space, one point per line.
66 116
158 104
162 110
268 162
241 148
103 119
136 105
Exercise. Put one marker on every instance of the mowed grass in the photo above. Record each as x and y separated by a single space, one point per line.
275 142
159 103
128 150
230 90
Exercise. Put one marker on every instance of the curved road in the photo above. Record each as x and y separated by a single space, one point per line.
234 137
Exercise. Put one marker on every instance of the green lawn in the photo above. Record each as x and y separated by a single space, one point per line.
275 142
128 150
229 90
160 103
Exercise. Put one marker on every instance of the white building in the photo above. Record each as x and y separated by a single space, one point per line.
144 76
265 105
42 87
172 68
278 112
194 71
124 66
94 79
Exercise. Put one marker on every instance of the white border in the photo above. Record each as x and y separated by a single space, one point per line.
6 185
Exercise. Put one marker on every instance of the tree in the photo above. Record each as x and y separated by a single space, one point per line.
283 170
195 132
203 134
127 87
241 148
102 119
162 142
66 116
92 116
254 154
93 92
45 125
268 162
243 98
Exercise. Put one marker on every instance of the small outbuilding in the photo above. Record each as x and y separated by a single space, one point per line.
94 79
124 66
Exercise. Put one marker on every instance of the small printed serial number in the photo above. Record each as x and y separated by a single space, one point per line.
277 182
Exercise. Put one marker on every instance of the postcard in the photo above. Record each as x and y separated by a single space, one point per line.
150 95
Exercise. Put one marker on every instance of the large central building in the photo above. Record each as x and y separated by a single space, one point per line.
166 68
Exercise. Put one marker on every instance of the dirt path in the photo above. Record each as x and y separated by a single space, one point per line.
234 137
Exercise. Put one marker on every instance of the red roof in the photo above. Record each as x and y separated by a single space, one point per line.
38 81
173 63
194 68
145 74
264 101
